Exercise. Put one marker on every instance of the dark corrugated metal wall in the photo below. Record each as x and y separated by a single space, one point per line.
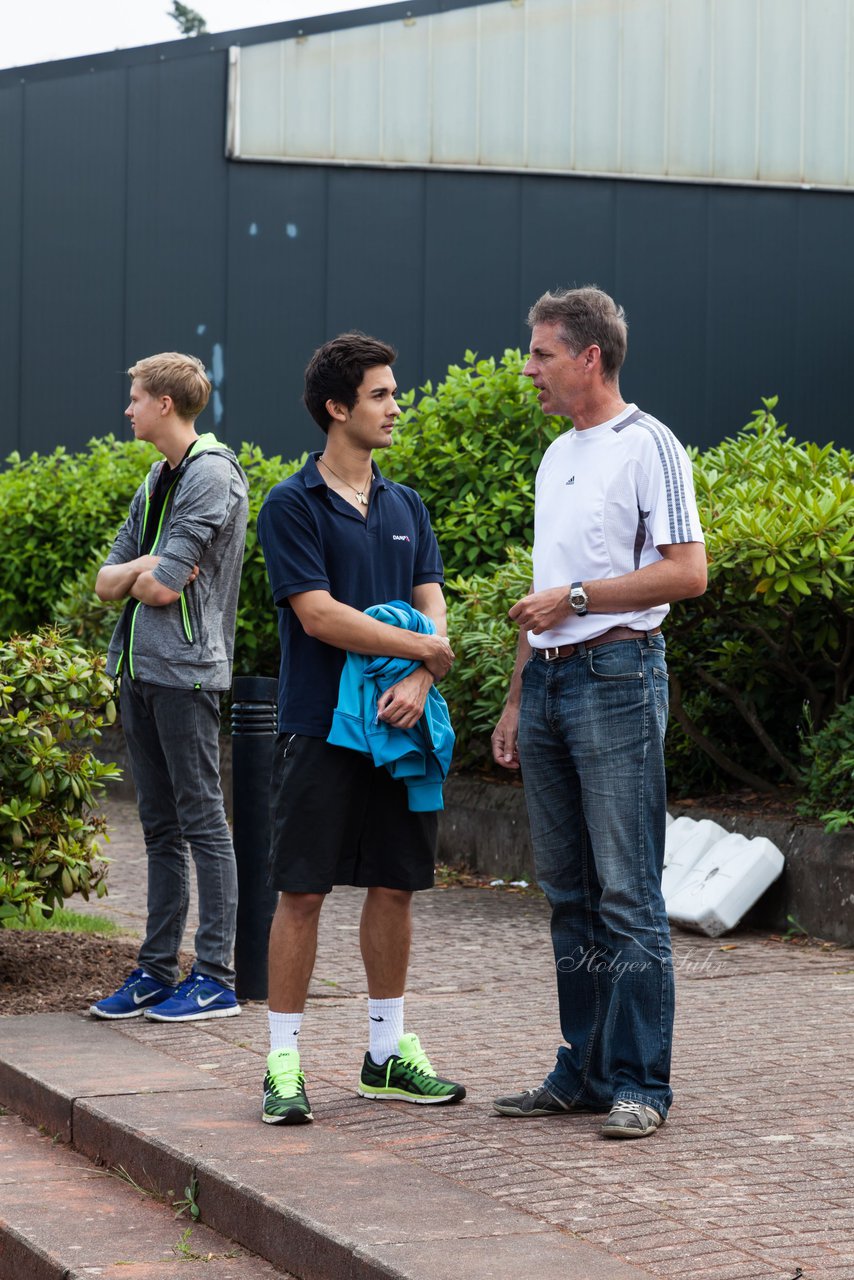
123 231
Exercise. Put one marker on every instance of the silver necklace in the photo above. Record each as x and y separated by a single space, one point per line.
361 495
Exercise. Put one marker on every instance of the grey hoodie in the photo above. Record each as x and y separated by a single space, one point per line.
189 643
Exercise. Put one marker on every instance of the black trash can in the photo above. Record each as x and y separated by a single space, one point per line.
253 732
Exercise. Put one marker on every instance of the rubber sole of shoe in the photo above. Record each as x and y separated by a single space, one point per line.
620 1132
292 1117
117 1017
153 1016
516 1113
396 1095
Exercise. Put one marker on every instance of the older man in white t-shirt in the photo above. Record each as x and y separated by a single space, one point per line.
617 538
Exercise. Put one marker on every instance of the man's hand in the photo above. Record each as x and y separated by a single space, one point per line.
505 737
439 656
542 610
402 706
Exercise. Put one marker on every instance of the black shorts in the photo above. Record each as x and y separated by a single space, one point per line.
338 819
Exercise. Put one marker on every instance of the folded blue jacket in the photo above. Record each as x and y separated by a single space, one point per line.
421 756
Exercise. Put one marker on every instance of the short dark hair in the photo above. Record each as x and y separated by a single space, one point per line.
337 370
586 316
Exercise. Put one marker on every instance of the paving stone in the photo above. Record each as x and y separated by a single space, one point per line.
62 1219
730 1170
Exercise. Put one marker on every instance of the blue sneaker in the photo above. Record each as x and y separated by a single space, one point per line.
197 997
138 993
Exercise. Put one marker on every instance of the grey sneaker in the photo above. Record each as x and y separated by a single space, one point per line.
533 1102
631 1120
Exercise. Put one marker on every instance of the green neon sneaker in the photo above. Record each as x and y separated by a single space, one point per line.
408 1077
284 1090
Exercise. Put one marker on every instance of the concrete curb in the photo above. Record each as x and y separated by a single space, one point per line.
321 1203
485 827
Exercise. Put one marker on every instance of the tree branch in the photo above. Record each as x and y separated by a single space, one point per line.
723 761
748 714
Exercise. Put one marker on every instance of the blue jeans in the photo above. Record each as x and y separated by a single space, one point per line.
591 745
172 737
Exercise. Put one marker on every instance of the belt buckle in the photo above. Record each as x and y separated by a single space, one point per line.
551 655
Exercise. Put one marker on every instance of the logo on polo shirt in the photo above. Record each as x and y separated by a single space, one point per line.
571 480
400 537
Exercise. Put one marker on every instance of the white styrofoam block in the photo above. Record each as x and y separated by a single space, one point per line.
680 830
705 834
724 884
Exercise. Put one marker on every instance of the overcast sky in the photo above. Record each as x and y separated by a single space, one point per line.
42 30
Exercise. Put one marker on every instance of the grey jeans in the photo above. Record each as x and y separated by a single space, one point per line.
172 737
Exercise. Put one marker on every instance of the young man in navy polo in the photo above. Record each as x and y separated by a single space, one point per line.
337 538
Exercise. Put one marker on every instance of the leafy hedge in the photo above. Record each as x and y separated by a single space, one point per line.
54 510
760 662
773 634
472 449
54 699
828 775
58 516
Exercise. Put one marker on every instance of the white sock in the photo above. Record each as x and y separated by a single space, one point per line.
386 1028
284 1030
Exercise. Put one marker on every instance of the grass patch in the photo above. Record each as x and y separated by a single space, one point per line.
63 921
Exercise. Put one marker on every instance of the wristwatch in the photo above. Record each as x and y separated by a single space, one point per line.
578 599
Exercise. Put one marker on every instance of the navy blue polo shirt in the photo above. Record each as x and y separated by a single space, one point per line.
315 541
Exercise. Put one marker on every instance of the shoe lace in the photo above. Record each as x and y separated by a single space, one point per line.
131 981
287 1079
184 988
417 1059
626 1104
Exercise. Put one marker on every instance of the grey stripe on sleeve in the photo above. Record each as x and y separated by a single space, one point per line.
674 480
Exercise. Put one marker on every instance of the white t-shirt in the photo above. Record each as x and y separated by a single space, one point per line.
606 498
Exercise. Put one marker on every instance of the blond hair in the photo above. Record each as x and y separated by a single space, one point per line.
172 374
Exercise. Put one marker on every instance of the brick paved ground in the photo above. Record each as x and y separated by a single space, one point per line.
750 1179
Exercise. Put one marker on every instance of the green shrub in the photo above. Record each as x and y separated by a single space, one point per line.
471 449
54 510
484 641
58 517
775 629
80 613
828 770
54 699
256 641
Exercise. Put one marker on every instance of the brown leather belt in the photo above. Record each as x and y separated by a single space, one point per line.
607 637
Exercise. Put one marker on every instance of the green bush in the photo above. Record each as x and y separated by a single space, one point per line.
775 629
256 641
54 699
471 449
55 509
58 517
484 641
828 770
